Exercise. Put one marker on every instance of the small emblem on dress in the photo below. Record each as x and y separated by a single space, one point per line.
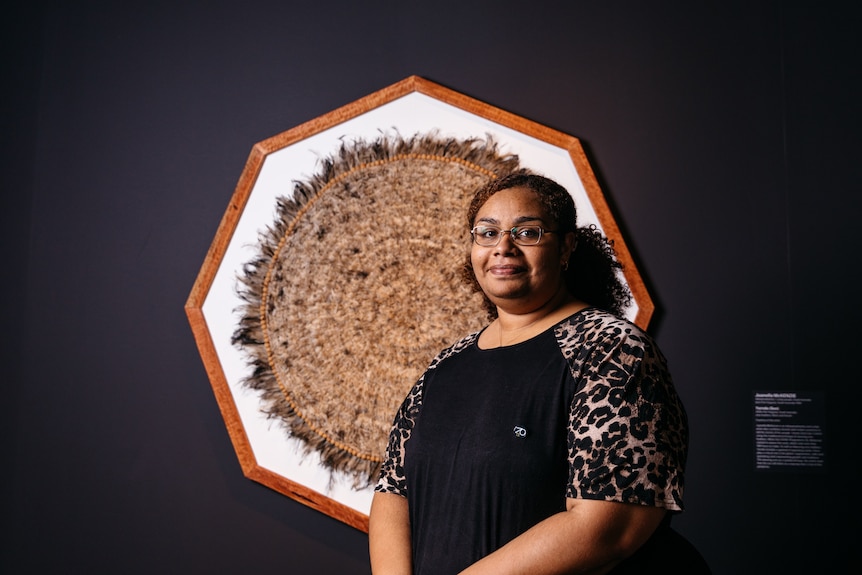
519 431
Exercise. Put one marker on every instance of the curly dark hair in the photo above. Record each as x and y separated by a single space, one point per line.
593 271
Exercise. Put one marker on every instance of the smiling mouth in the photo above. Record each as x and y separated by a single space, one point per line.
505 271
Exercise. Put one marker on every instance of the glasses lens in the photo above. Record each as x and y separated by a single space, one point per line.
528 235
486 236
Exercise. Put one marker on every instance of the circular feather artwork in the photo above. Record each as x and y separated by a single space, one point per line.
356 287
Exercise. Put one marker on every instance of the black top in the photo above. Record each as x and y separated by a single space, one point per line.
491 442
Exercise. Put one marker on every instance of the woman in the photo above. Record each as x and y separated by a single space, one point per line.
550 442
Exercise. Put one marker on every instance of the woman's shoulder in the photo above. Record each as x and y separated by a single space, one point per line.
457 347
593 326
599 320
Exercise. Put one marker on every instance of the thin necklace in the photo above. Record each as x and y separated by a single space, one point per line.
516 330
535 321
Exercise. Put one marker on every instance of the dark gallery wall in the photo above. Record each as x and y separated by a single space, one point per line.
724 135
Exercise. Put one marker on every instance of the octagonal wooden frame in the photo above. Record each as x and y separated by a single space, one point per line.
313 495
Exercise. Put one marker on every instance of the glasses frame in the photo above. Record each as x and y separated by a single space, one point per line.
512 234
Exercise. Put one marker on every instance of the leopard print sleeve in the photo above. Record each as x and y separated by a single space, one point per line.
392 477
628 432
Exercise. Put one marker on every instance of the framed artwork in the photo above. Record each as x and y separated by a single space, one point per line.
334 277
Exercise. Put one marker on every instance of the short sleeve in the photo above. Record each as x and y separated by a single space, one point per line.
392 476
628 432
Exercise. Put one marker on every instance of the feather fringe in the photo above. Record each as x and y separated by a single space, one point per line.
481 155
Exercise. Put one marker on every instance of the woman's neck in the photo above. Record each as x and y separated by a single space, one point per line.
513 327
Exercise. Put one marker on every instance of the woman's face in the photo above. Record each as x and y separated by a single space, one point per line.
514 277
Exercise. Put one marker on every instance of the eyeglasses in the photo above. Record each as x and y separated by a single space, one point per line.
488 236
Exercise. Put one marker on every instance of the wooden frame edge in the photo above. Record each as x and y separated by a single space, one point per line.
221 389
310 498
646 307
